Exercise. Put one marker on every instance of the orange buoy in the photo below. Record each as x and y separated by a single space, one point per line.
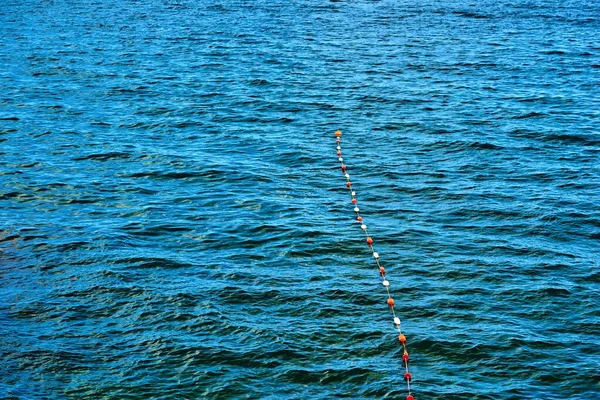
369 241
402 338
390 302
338 133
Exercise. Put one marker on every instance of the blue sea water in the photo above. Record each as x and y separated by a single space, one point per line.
174 223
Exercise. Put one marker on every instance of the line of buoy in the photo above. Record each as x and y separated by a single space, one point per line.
382 273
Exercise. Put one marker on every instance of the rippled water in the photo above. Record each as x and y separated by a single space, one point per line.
174 223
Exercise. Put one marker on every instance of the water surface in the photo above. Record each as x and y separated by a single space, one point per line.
174 223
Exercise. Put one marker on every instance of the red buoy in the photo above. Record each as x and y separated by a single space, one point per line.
405 357
369 241
381 271
408 376
348 184
353 201
390 302
359 219
410 397
343 168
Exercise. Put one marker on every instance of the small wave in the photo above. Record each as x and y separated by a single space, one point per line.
530 115
104 156
585 140
468 14
485 146
553 52
259 82
151 262
211 174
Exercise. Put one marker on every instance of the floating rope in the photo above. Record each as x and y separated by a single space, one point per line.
385 282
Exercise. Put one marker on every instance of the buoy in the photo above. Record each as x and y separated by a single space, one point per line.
338 133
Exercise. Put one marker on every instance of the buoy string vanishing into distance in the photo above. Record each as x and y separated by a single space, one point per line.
382 273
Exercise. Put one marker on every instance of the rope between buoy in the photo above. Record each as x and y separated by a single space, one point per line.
382 273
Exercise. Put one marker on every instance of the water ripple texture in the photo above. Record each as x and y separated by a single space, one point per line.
174 224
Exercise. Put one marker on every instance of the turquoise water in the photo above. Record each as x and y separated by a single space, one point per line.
174 223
